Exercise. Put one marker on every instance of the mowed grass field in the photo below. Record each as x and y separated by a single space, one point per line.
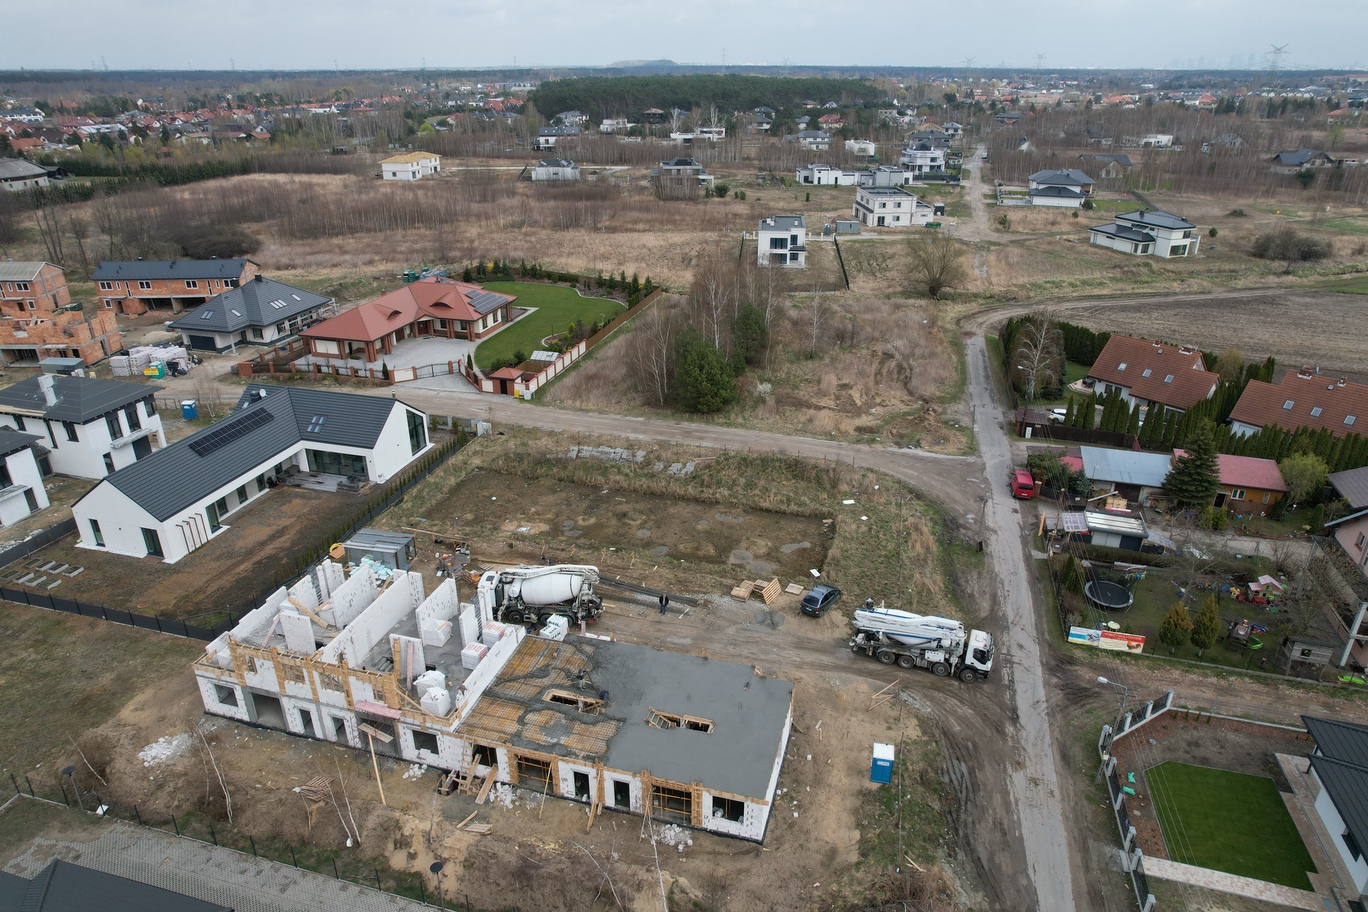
557 307
1230 822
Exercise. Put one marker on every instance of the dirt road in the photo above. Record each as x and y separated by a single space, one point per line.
1034 782
975 226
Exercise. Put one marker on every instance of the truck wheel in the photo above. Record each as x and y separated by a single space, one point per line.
887 656
513 616
940 669
968 675
905 661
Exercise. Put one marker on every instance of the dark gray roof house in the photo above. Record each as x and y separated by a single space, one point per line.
1061 177
1343 741
146 270
66 887
1155 218
260 310
77 399
268 420
1352 486
1340 762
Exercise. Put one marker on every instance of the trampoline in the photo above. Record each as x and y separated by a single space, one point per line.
1108 596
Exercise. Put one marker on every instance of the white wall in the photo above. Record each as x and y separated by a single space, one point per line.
404 595
121 521
84 457
392 451
23 470
1335 824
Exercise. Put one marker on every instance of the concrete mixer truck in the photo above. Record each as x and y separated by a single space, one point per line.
524 595
923 641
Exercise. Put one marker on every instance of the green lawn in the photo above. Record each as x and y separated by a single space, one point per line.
1348 286
1230 822
1351 225
557 307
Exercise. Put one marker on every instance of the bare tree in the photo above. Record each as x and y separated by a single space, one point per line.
937 263
818 312
650 355
1039 351
50 230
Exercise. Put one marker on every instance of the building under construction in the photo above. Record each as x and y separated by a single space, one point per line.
371 661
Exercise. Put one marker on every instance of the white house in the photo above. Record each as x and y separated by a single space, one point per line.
1057 197
683 739
21 482
683 170
782 240
555 169
1339 765
922 157
861 148
17 174
889 207
1067 178
260 311
411 166
952 129
547 137
815 140
1148 233
885 176
824 176
614 124
90 428
177 499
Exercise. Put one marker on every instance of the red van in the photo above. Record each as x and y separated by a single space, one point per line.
1023 485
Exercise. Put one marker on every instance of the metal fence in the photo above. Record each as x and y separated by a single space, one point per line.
39 540
1132 858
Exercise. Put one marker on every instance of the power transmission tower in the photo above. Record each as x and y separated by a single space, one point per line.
1275 61
968 65
1039 59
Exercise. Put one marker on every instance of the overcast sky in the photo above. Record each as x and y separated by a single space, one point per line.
318 34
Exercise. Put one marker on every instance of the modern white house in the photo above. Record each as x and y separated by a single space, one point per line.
890 207
885 176
861 148
21 481
1148 232
555 169
178 498
614 124
919 158
410 167
782 241
824 176
1060 188
261 311
341 658
685 170
1339 765
88 428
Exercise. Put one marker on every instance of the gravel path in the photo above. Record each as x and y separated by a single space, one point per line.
212 874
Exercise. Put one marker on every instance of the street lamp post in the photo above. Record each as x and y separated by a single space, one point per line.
436 868
1121 711
70 772
1030 380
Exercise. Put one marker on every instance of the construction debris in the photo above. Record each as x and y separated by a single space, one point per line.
747 589
316 789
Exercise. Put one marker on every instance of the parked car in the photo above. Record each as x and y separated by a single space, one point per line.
1023 485
819 599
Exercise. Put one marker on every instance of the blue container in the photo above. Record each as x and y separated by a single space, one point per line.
189 409
882 770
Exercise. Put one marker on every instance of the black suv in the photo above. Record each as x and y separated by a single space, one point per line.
819 599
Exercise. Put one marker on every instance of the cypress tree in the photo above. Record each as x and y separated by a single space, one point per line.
1133 425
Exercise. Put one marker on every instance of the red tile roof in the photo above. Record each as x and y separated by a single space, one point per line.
1303 398
1246 472
435 298
1155 371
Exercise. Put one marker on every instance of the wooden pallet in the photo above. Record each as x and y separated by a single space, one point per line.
771 590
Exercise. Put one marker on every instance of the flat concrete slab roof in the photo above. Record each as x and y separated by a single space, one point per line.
748 712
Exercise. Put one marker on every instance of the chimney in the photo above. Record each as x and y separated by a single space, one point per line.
49 395
259 277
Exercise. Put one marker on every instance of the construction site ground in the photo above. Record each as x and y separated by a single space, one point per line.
231 575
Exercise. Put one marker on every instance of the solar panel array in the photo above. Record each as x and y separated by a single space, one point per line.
229 431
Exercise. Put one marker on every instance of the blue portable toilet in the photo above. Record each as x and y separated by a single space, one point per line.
882 770
189 409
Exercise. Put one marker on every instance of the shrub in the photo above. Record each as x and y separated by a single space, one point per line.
1237 213
1287 245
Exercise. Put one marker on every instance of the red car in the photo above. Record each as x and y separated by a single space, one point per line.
1023 485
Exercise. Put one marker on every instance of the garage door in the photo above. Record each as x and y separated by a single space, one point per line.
204 343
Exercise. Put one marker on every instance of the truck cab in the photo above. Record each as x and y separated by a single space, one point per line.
979 655
1023 485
